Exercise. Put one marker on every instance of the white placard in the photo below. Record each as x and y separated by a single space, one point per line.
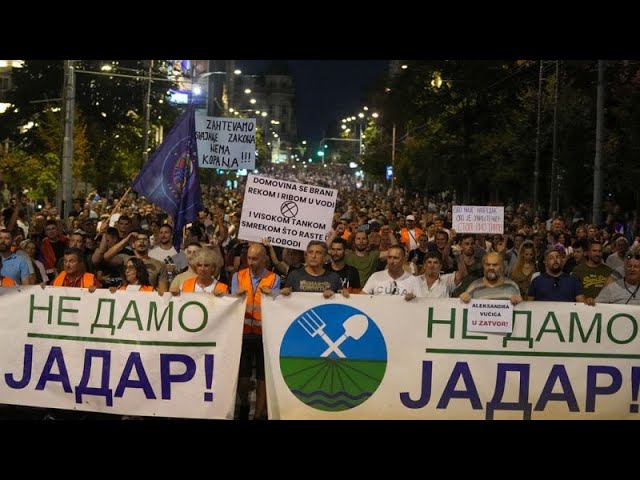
226 143
290 214
477 219
490 316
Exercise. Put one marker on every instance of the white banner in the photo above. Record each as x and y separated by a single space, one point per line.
226 143
475 219
124 353
381 357
290 214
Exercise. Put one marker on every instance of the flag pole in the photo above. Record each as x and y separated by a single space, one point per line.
117 207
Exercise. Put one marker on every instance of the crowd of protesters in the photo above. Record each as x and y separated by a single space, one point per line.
381 242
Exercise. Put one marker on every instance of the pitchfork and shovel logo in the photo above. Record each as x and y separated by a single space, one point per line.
333 357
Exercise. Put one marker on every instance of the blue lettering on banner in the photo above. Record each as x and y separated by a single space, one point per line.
593 390
461 370
174 368
55 356
167 378
425 389
134 362
558 373
523 404
26 370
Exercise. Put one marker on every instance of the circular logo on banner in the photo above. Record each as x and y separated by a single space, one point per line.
289 209
333 357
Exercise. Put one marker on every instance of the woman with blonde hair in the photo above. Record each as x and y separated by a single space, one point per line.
205 263
525 267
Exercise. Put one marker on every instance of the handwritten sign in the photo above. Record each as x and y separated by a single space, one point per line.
226 143
490 316
477 219
290 214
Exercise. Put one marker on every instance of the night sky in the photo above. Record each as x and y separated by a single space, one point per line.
326 90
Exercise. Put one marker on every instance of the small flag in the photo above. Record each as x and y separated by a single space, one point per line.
170 177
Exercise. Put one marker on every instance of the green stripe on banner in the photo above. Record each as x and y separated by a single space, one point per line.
125 342
531 354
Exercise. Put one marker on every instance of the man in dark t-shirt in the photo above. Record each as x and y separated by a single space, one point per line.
348 275
313 277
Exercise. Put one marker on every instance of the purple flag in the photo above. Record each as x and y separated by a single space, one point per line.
170 177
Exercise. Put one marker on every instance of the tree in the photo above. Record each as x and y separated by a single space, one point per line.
112 111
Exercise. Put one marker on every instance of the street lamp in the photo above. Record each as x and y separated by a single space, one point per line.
214 107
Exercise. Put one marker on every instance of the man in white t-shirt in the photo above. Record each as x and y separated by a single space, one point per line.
164 248
394 280
433 284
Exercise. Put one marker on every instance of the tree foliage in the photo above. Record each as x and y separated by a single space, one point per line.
471 126
109 124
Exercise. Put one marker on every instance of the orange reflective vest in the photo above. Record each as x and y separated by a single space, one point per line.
189 285
8 282
405 237
253 313
87 280
143 288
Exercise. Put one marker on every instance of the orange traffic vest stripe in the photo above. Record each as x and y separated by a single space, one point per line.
189 285
253 313
404 237
88 280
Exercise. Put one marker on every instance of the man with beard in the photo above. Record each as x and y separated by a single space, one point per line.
13 266
493 285
348 274
554 285
592 274
363 259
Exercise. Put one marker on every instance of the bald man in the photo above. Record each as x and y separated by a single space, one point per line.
493 285
253 281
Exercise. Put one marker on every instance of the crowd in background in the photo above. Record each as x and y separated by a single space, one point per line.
381 241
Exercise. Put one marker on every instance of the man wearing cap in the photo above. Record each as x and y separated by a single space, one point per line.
90 226
409 235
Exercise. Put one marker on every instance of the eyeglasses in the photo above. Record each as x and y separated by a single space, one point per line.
556 282
395 290
635 256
